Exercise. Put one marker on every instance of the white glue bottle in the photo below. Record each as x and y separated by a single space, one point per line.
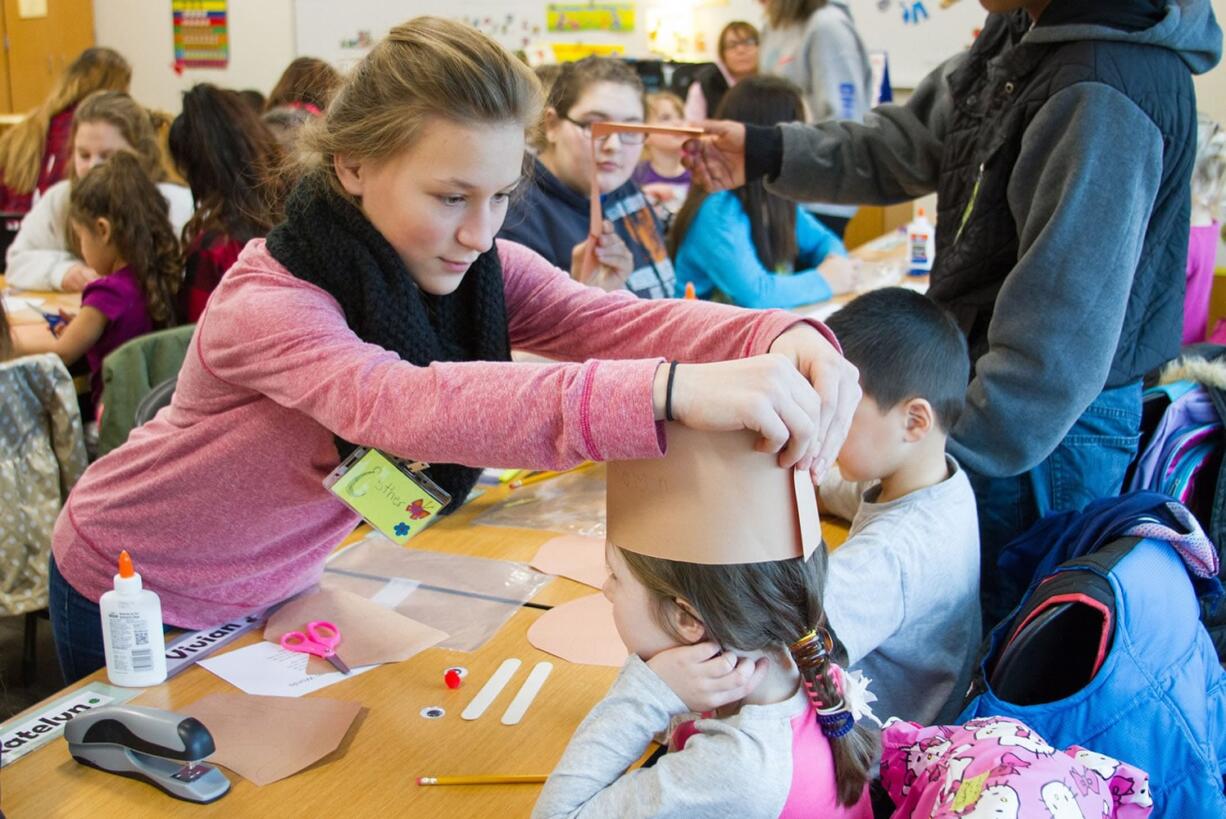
132 630
921 244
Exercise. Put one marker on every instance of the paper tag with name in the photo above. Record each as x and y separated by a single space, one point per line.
391 496
29 732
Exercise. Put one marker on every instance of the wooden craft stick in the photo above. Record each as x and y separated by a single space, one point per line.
493 779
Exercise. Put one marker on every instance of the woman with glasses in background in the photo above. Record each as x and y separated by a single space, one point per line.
551 216
738 59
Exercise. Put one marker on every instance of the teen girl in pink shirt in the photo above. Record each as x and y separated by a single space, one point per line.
382 313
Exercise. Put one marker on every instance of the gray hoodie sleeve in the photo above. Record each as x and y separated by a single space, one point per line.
715 776
894 156
1081 193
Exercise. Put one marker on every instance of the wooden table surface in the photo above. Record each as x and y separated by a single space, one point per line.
373 772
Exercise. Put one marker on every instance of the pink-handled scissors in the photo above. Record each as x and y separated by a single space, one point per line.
321 639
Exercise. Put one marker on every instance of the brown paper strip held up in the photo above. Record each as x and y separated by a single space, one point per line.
263 739
712 499
370 633
577 557
581 631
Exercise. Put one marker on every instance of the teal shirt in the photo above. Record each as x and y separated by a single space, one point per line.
718 254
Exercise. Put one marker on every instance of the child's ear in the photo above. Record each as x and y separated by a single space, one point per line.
102 229
349 172
686 622
919 420
550 122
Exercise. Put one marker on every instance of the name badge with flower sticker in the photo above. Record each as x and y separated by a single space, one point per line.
392 495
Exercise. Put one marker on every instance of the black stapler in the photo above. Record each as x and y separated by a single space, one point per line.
159 747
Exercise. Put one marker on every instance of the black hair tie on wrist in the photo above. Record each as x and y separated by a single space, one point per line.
668 393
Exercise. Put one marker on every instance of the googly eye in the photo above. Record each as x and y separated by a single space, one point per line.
433 712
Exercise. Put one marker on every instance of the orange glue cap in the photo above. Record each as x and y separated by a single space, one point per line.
125 564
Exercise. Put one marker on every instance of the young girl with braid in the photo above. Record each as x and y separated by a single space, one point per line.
732 660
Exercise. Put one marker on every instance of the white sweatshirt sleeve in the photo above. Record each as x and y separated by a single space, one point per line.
39 257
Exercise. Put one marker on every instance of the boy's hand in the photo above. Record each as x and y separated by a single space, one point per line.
705 679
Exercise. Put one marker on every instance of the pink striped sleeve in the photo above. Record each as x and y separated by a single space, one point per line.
555 316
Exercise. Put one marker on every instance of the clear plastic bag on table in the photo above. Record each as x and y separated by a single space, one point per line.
573 504
468 597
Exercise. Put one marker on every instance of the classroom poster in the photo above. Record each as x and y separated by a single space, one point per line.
566 17
202 37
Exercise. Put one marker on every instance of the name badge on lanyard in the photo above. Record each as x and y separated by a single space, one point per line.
392 495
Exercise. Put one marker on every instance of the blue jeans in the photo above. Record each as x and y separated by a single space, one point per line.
76 624
1089 463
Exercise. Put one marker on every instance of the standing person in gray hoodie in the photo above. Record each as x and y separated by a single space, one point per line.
814 43
1061 148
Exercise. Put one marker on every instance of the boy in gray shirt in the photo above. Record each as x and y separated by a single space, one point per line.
902 593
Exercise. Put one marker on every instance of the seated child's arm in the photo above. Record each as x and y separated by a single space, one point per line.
74 341
840 497
864 621
709 776
814 241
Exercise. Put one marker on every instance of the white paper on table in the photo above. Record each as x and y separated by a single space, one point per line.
14 303
266 669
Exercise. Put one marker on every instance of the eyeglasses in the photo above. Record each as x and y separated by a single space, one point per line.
626 137
748 42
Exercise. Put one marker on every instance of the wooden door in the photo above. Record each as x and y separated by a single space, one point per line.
39 49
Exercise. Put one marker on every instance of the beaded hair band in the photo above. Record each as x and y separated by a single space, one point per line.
812 651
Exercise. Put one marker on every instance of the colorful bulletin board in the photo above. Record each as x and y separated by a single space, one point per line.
565 17
202 37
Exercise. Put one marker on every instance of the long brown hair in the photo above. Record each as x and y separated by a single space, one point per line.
230 160
791 12
135 124
428 67
120 191
760 100
761 607
306 80
22 146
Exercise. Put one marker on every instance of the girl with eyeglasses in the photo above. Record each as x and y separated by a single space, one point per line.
552 215
738 59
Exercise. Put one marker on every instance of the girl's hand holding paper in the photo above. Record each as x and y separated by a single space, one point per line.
837 383
767 394
607 265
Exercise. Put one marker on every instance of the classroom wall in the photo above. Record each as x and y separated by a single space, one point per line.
261 45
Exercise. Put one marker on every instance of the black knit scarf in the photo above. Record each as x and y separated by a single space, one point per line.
327 241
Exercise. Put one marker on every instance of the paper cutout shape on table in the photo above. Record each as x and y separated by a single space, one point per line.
712 499
266 669
581 631
263 739
370 633
575 556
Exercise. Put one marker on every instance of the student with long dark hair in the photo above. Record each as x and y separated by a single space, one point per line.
750 246
230 160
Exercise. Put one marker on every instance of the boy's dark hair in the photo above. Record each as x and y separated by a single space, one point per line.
905 346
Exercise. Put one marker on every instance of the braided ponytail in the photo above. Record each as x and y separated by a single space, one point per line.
852 744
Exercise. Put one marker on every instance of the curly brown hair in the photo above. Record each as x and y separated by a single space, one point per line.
120 191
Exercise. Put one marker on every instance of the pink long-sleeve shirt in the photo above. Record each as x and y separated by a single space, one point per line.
219 499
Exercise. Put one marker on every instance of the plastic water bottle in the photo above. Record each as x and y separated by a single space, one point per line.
132 630
921 244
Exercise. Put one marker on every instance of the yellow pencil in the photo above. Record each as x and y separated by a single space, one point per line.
493 779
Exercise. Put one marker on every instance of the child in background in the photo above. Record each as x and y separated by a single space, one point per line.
35 153
122 223
307 82
783 735
914 536
552 215
1208 176
106 123
231 161
742 246
661 175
